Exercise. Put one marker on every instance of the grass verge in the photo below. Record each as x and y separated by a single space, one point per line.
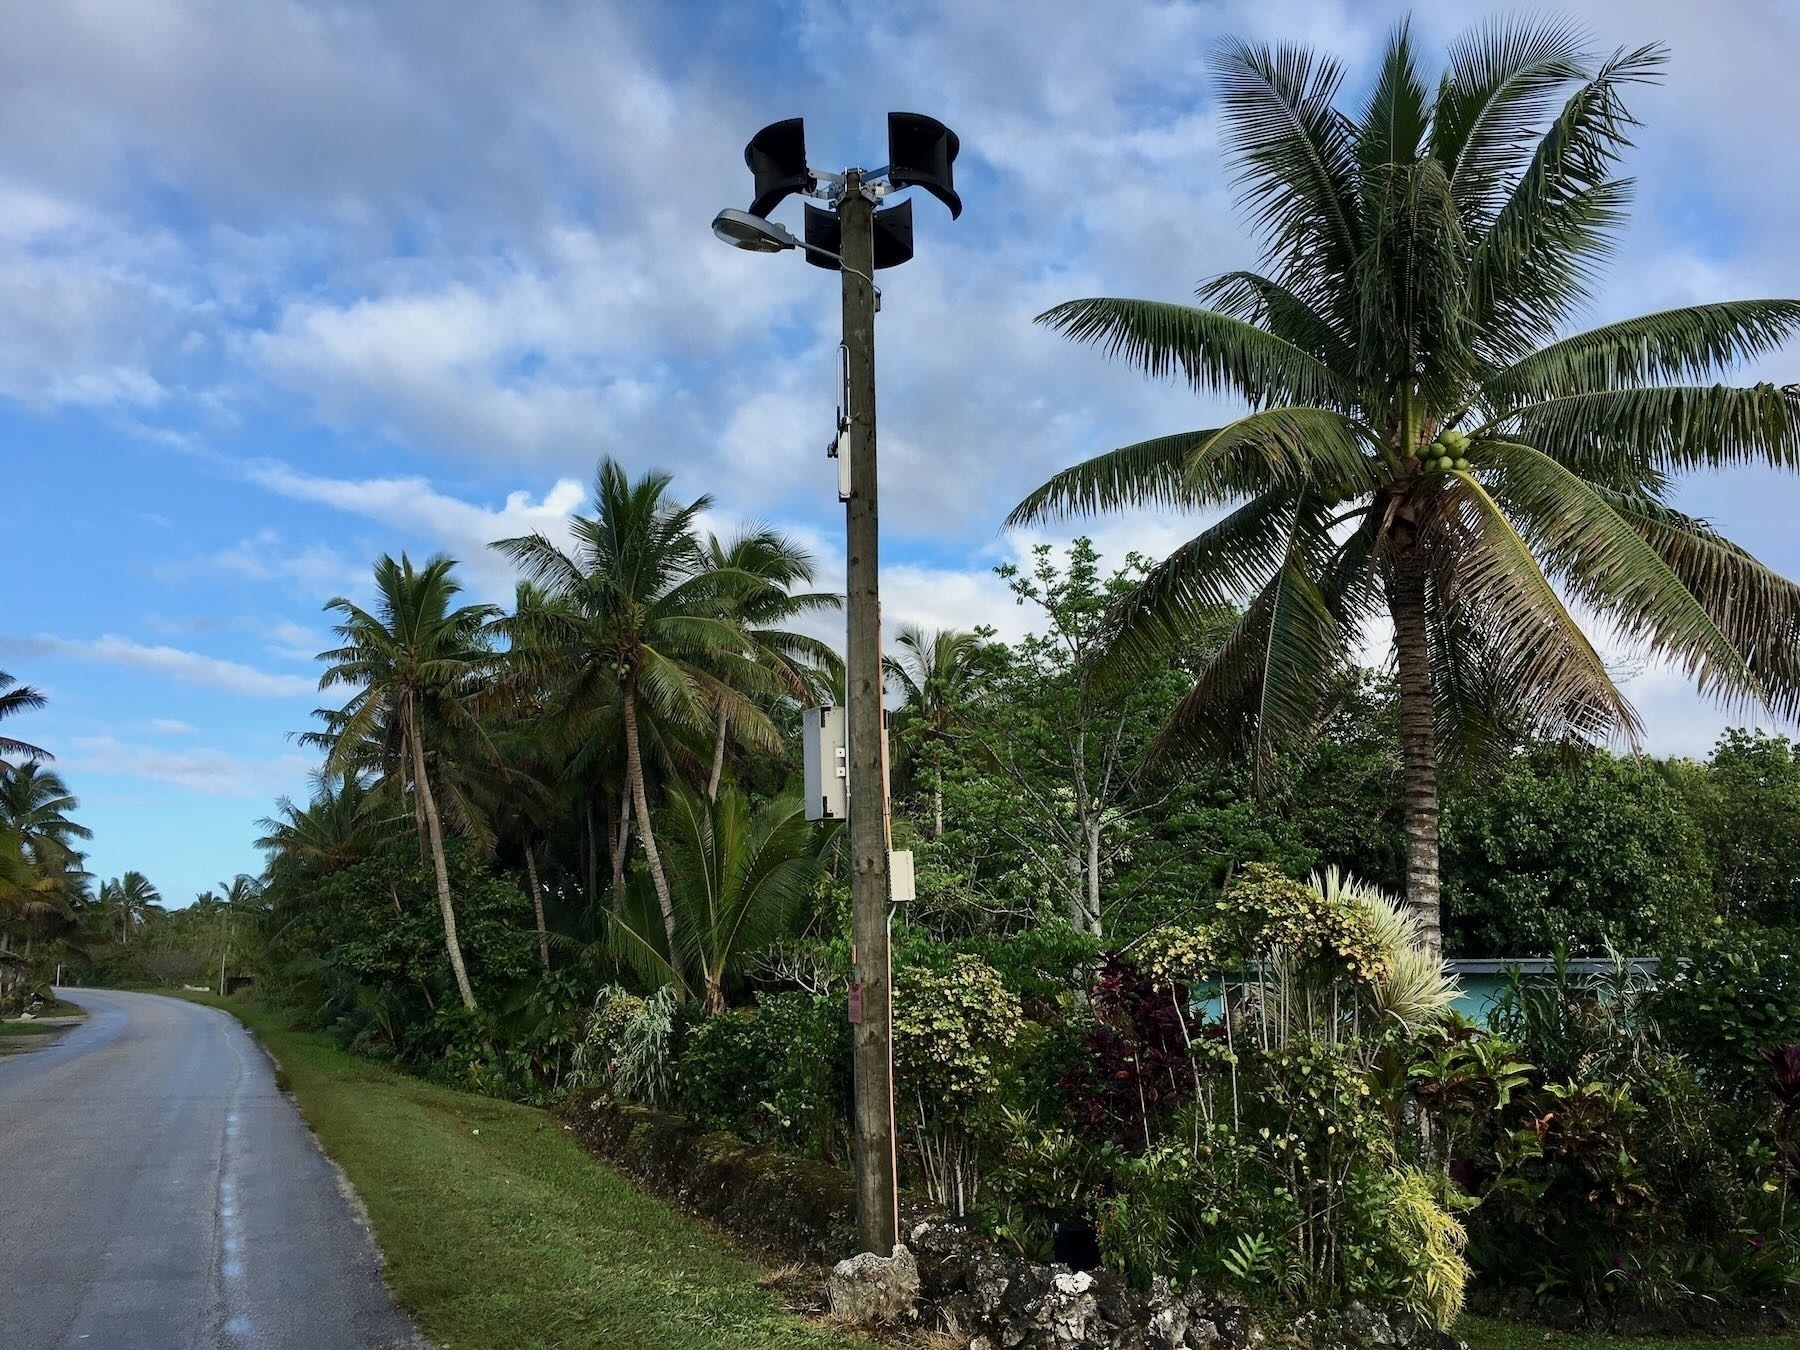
26 1029
499 1231
1483 1334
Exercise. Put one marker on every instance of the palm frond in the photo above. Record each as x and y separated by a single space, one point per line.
1502 82
1148 474
1215 352
1218 567
1756 608
1269 305
1663 428
1265 685
1673 345
1294 158
1506 633
1394 120
1282 448
1537 260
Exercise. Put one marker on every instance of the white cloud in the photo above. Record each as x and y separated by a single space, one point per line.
185 666
315 570
294 641
211 772
172 726
414 506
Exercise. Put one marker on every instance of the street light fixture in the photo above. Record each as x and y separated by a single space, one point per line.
853 237
753 233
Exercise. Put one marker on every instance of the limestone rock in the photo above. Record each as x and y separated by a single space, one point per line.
869 1289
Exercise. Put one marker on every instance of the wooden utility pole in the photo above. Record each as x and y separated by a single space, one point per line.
873 1035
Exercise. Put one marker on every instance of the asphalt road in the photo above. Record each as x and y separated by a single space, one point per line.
157 1191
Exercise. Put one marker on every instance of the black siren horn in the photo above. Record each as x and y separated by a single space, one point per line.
893 241
776 156
921 151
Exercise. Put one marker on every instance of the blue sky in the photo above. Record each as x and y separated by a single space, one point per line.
284 286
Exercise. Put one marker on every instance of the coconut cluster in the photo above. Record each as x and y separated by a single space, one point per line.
1452 447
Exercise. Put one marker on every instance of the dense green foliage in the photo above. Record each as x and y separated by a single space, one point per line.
1580 848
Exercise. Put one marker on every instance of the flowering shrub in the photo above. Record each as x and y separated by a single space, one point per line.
951 1028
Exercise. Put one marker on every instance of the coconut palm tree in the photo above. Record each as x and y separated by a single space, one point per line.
339 825
135 899
937 673
1422 444
16 698
36 806
635 611
799 666
416 664
741 878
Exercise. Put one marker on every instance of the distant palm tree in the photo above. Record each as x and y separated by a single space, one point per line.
769 567
415 664
135 899
1421 444
635 610
16 698
339 826
741 878
938 673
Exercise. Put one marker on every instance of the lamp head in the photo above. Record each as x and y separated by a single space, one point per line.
742 229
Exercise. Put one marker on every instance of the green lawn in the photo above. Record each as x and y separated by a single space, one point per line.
26 1029
499 1231
1482 1334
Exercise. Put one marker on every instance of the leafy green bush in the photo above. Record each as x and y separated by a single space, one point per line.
778 1073
630 1045
1601 850
1731 1000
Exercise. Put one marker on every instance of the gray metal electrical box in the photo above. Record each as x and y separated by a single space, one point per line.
827 764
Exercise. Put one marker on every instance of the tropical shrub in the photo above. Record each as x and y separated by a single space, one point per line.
1730 1000
776 1073
1139 1068
630 1045
1244 1079
952 1028
1620 1178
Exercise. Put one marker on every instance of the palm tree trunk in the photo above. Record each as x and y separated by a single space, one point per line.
537 906
718 764
435 829
621 841
593 855
1418 744
634 772
937 797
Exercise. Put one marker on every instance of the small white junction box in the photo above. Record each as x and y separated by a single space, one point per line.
902 890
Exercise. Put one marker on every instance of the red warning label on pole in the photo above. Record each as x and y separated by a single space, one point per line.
855 1004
